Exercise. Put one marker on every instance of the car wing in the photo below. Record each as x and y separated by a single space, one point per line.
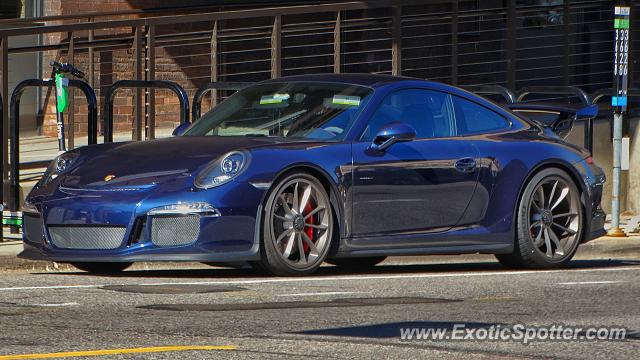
557 117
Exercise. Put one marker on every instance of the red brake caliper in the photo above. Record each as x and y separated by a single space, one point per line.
309 231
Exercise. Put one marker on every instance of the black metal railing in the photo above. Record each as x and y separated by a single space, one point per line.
142 84
567 92
598 95
196 104
14 128
506 94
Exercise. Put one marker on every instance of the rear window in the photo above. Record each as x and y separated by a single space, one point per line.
472 118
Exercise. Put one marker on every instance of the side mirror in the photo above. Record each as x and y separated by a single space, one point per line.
392 133
180 129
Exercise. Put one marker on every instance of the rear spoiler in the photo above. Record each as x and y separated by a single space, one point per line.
557 117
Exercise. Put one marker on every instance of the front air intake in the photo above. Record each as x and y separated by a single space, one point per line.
90 237
180 230
32 228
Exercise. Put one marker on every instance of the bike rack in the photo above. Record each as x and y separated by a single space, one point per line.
569 91
554 90
216 85
598 95
507 94
14 127
595 97
135 84
2 174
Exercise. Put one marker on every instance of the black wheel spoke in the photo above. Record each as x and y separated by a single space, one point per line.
565 215
551 195
556 242
566 229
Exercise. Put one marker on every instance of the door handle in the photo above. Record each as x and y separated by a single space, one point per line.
466 165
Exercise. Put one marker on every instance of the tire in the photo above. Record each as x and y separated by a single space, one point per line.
286 228
102 267
549 224
356 264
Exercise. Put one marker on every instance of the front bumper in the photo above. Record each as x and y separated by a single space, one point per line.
75 225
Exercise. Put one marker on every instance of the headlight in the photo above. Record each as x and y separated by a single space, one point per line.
222 170
59 165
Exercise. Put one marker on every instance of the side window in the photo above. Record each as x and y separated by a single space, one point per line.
427 111
472 118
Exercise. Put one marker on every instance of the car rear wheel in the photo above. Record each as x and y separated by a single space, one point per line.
549 222
297 226
101 267
357 264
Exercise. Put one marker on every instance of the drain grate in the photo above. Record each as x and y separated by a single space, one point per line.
171 289
343 302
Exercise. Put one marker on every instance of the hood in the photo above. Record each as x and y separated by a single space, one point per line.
143 164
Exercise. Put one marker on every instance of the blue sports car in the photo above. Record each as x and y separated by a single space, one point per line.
348 169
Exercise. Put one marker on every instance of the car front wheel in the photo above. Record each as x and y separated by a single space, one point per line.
549 223
297 226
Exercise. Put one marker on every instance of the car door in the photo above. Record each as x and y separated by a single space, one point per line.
418 186
483 128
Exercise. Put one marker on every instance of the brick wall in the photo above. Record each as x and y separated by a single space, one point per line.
175 63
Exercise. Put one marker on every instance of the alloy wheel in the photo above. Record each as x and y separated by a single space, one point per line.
554 218
301 223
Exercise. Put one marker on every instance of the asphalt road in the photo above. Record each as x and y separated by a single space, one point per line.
331 315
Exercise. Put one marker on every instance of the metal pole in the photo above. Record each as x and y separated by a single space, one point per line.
337 42
619 104
71 123
396 41
511 44
615 192
276 47
4 89
214 66
137 45
454 42
151 75
1 187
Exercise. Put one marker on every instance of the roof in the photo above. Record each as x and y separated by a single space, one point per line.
370 80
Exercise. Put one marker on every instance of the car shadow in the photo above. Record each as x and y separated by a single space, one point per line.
382 269
396 329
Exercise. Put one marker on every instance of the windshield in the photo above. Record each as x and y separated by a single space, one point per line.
293 110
